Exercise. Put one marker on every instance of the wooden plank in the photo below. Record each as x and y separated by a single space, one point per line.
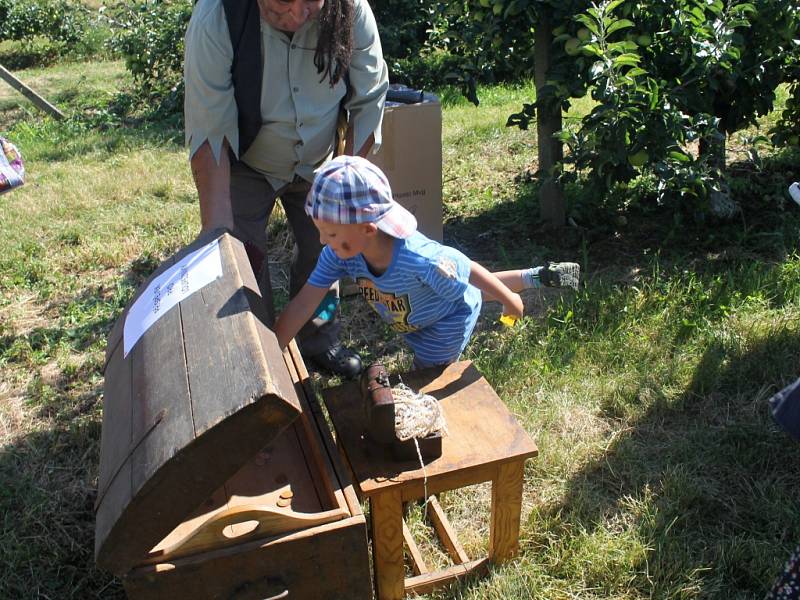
386 516
417 562
424 584
324 434
445 532
506 509
30 94
229 368
327 561
415 490
223 529
161 393
327 483
214 504
116 435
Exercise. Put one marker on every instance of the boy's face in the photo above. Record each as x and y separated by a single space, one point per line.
345 240
289 15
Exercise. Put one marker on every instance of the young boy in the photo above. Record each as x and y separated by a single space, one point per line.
429 292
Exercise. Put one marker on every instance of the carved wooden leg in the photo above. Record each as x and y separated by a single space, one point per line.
506 509
386 513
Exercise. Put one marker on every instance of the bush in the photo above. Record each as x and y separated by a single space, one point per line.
428 70
36 52
150 37
38 32
403 26
56 20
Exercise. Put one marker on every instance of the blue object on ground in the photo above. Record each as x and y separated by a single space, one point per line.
786 409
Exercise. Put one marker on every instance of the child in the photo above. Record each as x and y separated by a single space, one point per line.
429 292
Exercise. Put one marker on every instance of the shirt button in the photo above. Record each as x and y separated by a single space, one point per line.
294 46
295 89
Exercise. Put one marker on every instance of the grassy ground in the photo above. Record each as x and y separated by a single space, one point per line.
660 474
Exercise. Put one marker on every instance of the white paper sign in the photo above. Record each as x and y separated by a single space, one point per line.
192 272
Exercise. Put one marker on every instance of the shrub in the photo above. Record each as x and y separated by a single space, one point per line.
149 36
56 20
35 52
403 26
38 32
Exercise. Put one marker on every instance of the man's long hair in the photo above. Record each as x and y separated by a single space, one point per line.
335 43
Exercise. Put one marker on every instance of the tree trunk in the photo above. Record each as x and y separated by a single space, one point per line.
720 202
548 122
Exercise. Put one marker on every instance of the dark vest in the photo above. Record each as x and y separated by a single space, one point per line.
247 72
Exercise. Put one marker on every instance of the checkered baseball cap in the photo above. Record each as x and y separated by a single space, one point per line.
349 190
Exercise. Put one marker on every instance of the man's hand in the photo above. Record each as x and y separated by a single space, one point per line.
213 182
349 143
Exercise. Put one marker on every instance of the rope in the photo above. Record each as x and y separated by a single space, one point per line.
416 415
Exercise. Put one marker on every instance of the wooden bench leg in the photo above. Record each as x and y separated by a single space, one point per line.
506 510
386 515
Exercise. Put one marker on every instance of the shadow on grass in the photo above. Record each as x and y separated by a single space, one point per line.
705 483
47 495
623 231
48 477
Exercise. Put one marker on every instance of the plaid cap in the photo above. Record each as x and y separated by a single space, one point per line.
349 190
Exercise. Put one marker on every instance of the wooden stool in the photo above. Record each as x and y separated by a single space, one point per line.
485 443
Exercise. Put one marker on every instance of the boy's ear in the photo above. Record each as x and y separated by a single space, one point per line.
370 228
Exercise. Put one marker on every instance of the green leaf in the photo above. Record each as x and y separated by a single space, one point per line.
745 7
679 156
627 59
617 25
590 23
635 72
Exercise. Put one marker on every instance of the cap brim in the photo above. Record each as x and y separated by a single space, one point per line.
397 222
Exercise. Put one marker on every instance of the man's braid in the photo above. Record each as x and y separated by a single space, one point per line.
335 44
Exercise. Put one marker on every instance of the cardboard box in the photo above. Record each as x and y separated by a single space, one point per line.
411 157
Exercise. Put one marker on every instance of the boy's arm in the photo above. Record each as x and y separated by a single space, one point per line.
297 312
490 285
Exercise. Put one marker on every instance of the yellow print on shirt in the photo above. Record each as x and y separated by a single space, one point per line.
392 308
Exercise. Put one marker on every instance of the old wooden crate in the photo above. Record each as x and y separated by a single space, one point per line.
218 477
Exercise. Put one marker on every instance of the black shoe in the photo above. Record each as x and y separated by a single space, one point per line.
339 360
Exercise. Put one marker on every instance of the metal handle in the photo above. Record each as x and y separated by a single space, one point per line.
260 586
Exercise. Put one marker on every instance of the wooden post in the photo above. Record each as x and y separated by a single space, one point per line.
548 122
506 510
386 515
30 94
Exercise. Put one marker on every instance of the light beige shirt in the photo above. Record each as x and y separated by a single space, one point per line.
299 112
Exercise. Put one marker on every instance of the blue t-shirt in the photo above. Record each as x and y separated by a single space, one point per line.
425 294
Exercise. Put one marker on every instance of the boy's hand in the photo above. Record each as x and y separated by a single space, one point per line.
514 308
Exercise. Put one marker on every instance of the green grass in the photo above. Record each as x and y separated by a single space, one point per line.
660 473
